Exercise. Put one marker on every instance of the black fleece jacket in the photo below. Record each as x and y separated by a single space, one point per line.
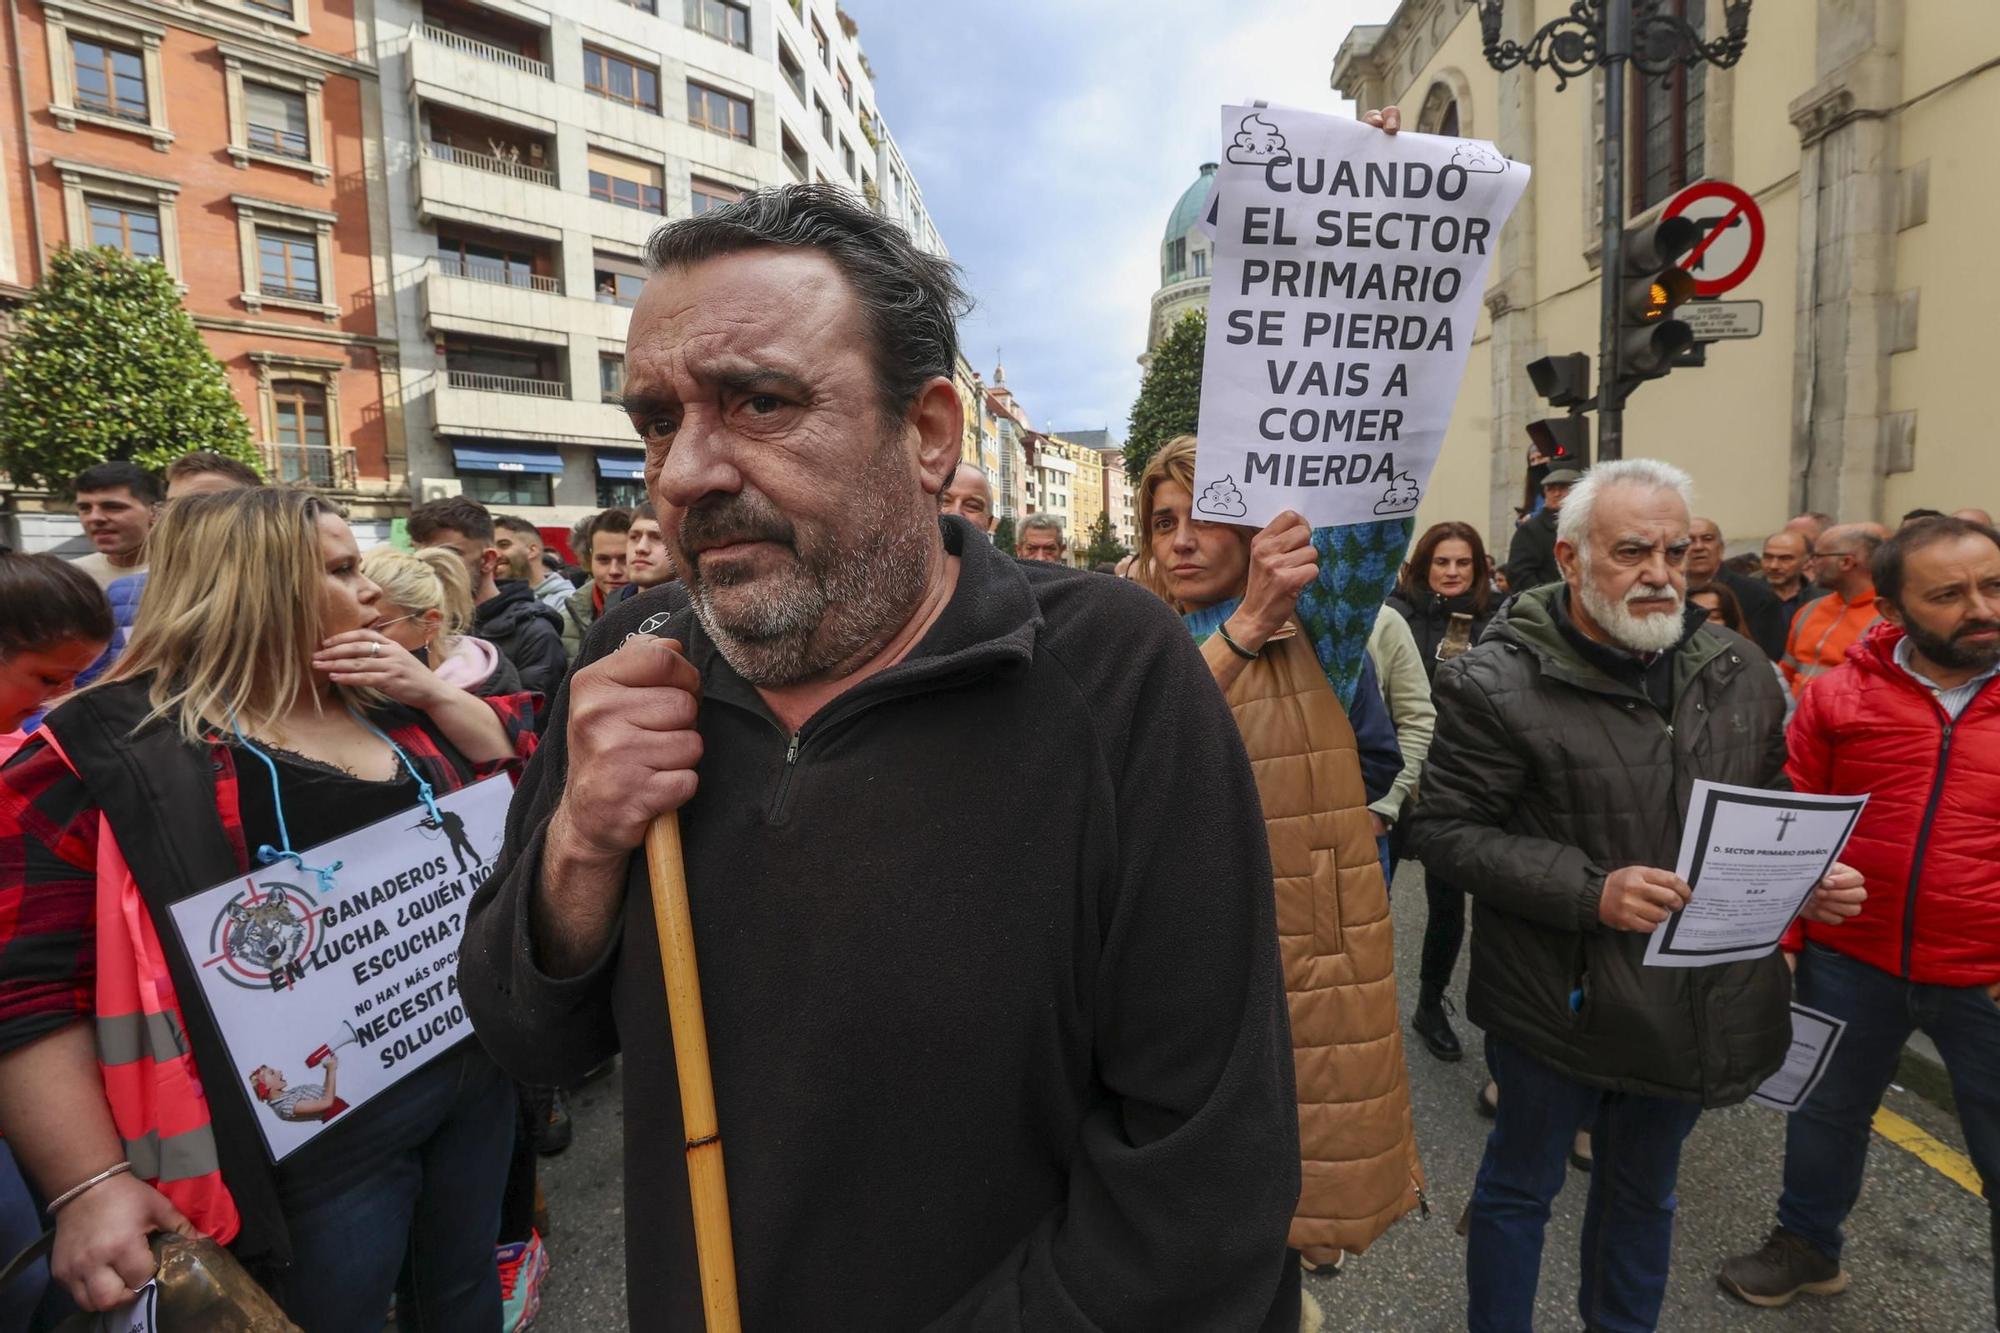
989 962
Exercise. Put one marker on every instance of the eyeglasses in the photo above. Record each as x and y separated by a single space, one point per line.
384 624
1828 555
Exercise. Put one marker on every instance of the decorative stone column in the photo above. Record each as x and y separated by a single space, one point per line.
1845 438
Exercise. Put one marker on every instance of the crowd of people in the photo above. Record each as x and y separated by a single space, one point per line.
1126 1054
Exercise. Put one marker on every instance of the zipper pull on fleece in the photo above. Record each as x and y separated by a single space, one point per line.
792 750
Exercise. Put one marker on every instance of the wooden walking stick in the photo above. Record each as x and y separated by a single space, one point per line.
715 1252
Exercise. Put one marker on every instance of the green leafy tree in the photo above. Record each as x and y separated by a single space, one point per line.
1104 548
1169 401
105 364
1003 536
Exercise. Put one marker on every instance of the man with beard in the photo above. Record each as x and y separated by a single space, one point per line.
1913 719
1822 633
1567 743
1032 1072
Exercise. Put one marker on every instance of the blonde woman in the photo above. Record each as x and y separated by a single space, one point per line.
427 607
1242 589
256 714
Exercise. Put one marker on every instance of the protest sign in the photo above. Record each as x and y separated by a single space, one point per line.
326 993
1349 267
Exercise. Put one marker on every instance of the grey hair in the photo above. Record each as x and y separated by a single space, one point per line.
1573 522
1034 522
910 301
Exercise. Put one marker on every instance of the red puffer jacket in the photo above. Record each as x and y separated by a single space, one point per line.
1929 841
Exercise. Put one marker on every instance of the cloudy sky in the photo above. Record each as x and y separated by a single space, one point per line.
1051 139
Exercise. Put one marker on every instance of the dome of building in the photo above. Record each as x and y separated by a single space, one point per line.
1188 211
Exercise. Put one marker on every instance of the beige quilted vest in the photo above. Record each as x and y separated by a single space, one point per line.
1357 1144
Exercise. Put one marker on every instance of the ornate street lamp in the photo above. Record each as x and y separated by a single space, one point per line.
1606 34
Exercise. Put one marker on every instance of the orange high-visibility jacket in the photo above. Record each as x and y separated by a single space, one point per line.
1822 633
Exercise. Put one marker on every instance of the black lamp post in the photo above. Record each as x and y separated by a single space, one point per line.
1607 34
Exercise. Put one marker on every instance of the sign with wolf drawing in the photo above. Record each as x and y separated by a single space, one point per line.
1349 268
328 988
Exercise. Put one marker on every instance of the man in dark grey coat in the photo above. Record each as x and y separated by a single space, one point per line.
1568 742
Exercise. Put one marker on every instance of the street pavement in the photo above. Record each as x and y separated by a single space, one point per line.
1917 1244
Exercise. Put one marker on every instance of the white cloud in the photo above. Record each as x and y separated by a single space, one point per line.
1051 140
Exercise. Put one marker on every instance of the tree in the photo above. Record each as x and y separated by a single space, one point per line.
1104 548
105 364
1003 536
1169 401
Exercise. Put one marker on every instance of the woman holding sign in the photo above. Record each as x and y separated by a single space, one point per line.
256 717
1283 676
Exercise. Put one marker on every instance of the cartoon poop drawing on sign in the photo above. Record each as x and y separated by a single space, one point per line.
1258 143
1401 497
1222 497
1478 157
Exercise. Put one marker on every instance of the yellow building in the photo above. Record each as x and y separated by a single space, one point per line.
1087 499
1863 128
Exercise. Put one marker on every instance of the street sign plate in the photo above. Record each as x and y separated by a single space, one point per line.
1715 320
1732 234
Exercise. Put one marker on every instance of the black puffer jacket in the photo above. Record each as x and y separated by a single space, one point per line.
527 633
1430 616
1545 776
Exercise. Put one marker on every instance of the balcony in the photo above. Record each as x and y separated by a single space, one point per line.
474 269
472 46
330 467
465 404
481 382
507 166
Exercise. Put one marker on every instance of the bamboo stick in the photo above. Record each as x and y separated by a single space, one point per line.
715 1251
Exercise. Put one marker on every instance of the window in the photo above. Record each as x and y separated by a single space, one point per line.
707 194
724 20
847 156
1668 130
624 492
793 152
110 80
133 228
275 112
825 122
820 45
846 86
718 112
794 72
620 80
274 9
104 69
1176 264
276 121
627 183
610 375
1201 263
299 432
506 489
617 280
287 265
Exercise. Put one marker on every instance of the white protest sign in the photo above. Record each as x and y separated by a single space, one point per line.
1814 1037
325 997
1349 267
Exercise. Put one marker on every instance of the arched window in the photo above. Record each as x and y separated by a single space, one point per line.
1439 113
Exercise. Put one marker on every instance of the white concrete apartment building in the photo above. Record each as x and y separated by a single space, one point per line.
532 150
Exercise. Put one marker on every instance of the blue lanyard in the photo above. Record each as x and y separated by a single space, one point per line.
269 855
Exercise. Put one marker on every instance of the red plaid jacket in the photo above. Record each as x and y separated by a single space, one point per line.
48 862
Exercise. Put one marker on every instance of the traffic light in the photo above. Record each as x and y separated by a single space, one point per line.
1654 285
1565 382
1564 441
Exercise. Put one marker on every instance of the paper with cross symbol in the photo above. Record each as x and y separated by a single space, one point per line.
1752 858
